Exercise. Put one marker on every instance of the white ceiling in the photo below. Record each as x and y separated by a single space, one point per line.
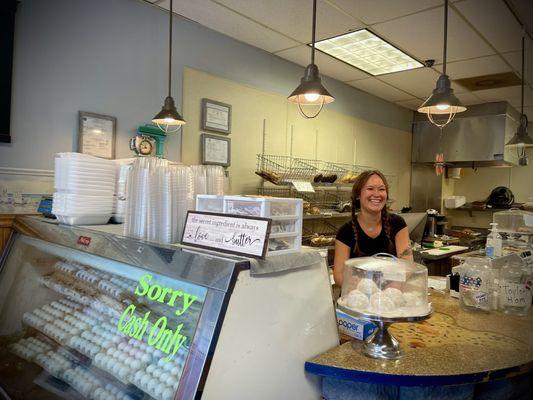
483 38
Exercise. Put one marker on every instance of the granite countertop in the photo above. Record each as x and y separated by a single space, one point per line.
454 346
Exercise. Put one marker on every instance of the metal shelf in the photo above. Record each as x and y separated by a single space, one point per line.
328 216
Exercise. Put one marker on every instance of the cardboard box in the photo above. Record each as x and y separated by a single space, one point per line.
353 327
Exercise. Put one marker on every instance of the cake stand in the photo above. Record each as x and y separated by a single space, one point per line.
381 344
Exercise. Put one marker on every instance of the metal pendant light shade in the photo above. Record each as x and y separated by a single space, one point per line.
521 139
168 115
169 119
311 92
442 102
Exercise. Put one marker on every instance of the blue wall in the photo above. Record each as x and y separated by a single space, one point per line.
110 57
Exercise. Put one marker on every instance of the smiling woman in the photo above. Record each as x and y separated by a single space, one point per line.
373 229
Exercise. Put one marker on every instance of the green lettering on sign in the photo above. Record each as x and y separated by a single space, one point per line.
160 336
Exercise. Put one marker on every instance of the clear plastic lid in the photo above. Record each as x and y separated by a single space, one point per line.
385 286
514 220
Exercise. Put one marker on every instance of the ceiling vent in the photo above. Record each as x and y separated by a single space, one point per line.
493 81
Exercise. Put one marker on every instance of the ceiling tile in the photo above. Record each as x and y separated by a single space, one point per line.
524 8
410 104
380 89
418 82
373 11
476 67
231 24
294 17
515 59
469 98
421 35
510 94
328 65
494 21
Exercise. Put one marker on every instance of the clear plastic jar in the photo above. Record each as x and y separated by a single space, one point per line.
515 288
476 284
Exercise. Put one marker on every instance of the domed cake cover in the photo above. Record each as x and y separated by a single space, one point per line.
385 285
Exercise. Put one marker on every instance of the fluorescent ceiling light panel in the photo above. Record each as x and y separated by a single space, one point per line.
368 52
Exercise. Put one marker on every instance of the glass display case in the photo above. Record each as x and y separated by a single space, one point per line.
85 314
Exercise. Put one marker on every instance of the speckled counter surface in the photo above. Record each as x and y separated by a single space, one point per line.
454 346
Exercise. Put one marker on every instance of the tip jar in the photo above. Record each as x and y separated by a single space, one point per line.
515 288
476 284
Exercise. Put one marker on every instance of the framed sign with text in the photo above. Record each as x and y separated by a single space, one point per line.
239 235
216 150
97 135
216 116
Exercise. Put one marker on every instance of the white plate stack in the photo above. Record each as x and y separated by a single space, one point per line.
84 189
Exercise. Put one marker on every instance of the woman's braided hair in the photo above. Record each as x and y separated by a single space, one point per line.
360 182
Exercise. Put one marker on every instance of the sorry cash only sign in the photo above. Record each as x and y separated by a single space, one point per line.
247 236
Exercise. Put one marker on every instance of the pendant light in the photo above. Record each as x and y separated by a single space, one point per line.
521 139
310 92
442 102
168 119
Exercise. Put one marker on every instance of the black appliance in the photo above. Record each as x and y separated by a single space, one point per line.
500 197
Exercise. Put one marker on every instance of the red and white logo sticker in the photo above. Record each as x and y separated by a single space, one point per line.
84 240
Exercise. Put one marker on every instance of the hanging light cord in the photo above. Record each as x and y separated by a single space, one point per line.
452 112
445 37
313 34
520 150
523 53
170 48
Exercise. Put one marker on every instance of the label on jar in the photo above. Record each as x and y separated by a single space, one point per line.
480 298
514 294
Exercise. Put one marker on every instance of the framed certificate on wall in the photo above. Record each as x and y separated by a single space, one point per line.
216 150
97 135
216 116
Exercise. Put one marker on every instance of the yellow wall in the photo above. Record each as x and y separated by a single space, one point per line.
477 185
331 136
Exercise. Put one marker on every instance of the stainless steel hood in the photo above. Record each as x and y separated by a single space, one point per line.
475 138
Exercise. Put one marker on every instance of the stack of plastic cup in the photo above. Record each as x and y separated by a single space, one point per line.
182 199
199 179
159 196
119 203
214 179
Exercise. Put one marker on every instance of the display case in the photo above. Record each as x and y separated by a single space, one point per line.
92 315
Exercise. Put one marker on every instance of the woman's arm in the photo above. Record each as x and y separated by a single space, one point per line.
403 249
342 253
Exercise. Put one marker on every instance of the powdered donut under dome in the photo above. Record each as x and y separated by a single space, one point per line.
384 286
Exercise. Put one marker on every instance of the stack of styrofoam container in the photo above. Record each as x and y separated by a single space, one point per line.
286 214
84 188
